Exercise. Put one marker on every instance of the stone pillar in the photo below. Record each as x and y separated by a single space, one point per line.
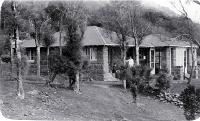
195 63
168 59
105 61
150 60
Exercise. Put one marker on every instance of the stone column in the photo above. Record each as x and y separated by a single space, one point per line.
195 64
105 61
168 59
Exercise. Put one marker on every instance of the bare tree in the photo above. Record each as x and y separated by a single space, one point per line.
114 19
17 54
138 26
188 33
35 15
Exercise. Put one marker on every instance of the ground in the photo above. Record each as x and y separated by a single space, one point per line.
98 102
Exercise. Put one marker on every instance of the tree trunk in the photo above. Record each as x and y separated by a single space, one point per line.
60 32
192 69
20 90
48 60
77 90
38 61
11 59
137 61
51 79
124 57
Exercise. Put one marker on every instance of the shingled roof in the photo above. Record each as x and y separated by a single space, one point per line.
31 42
96 36
160 40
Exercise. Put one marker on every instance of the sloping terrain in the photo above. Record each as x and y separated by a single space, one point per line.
97 102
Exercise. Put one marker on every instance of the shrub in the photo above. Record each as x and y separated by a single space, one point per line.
171 98
198 100
5 58
188 97
163 81
141 76
57 65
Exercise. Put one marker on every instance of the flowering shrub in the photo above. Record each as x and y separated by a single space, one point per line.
170 98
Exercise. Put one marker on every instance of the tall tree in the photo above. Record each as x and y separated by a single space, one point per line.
56 11
114 19
138 26
187 32
47 37
75 24
35 15
17 55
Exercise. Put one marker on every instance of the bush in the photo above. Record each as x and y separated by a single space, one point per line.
163 81
171 98
57 63
188 97
141 76
6 58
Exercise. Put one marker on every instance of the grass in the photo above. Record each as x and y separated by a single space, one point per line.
98 102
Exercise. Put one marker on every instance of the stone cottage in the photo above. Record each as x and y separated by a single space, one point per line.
102 49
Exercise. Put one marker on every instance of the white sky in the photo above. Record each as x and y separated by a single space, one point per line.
192 8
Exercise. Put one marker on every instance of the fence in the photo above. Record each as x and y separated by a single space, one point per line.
5 70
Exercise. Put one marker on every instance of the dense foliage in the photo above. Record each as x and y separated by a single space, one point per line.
5 58
189 99
163 81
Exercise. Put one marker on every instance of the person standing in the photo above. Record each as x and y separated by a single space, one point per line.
133 90
114 69
130 62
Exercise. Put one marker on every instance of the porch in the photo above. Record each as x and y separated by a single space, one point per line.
176 60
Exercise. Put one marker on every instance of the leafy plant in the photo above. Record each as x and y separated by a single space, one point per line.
5 58
163 81
57 65
188 97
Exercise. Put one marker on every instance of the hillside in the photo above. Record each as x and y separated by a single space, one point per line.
98 102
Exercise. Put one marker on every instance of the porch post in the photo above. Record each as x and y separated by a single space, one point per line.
168 59
195 64
150 61
105 61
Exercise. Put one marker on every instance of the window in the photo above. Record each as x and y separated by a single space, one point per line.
87 51
91 53
173 59
152 58
30 54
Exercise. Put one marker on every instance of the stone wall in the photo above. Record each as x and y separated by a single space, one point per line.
96 70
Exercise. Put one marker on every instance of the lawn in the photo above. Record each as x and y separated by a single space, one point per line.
98 102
